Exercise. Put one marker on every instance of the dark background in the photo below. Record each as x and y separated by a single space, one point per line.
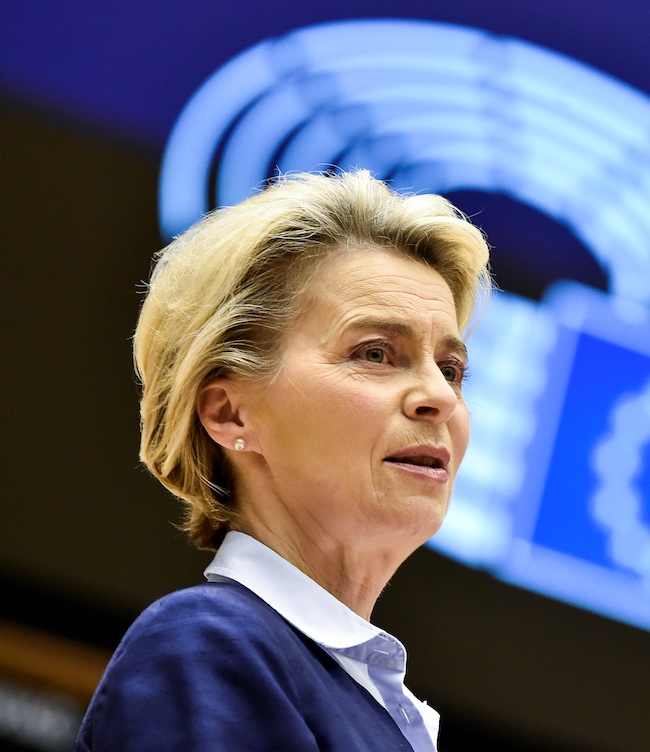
88 95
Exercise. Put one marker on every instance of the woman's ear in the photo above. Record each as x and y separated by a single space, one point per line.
219 409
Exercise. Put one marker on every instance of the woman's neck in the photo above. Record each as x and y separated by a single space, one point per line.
352 573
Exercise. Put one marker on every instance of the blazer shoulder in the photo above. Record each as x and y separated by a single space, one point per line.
195 668
210 612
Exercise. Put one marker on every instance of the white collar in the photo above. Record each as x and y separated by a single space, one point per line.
295 596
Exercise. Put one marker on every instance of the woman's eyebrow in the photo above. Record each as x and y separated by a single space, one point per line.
390 326
454 343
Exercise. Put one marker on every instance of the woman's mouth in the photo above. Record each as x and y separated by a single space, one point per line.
424 461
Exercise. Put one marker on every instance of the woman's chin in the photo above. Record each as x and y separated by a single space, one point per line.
417 519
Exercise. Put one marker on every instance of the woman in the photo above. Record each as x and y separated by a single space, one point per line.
302 361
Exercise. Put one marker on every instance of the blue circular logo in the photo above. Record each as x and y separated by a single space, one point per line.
431 107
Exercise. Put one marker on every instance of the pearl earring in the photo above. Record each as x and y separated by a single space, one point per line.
239 445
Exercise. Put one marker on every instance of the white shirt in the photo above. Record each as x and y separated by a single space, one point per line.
372 657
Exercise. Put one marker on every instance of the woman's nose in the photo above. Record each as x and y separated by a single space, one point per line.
431 398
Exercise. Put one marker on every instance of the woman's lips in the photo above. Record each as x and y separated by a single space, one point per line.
436 474
425 461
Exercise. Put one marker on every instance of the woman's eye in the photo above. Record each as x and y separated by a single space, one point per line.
378 353
375 355
452 372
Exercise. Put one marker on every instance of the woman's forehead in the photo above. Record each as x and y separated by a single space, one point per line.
375 277
372 286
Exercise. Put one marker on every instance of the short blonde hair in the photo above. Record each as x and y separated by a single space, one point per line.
223 294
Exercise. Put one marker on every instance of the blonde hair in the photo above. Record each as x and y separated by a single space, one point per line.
223 294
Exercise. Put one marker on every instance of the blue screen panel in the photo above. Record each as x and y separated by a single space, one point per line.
580 520
602 372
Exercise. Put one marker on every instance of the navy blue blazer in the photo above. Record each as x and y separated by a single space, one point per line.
215 668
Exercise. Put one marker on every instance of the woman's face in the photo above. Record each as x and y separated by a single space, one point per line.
363 429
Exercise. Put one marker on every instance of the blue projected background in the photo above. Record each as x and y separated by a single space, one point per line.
581 520
574 529
554 494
